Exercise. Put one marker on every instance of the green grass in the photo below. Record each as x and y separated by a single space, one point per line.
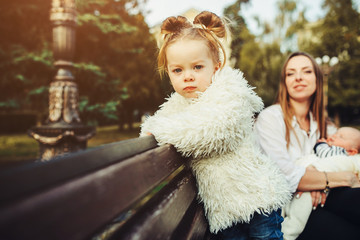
17 147
21 147
111 134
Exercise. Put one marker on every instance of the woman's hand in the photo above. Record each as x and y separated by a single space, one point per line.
318 197
353 179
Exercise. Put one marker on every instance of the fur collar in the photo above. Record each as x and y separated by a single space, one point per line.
214 123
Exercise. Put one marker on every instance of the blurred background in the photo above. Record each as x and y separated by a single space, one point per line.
115 59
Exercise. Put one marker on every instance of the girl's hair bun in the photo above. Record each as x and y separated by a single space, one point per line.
211 22
174 24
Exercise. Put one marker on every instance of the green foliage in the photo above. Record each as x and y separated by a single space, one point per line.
25 56
260 62
338 35
117 75
103 23
237 27
114 59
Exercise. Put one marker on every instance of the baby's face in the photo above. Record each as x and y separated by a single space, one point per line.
342 138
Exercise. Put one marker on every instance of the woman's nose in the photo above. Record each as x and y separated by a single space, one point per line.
298 76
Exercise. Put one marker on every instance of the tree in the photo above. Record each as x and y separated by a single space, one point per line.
25 55
114 60
338 35
260 61
122 77
232 12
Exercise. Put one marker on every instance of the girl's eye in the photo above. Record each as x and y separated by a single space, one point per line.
289 74
308 71
177 70
198 67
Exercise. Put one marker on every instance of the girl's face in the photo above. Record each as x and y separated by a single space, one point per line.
190 66
300 79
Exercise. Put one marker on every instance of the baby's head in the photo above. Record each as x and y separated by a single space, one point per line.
346 137
192 52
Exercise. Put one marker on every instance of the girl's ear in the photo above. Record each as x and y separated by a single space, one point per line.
217 66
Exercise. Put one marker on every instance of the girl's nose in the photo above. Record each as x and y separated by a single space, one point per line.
189 76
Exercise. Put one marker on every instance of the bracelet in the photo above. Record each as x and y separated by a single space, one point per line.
327 187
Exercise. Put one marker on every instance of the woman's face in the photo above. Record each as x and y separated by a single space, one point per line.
300 79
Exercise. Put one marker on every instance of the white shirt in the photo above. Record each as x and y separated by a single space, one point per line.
270 133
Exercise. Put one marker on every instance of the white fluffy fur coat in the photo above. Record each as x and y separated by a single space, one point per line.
216 129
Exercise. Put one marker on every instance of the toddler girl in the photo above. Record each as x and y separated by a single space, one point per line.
210 118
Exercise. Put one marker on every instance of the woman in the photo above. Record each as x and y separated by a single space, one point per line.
289 130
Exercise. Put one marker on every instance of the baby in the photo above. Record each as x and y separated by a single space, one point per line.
336 153
346 141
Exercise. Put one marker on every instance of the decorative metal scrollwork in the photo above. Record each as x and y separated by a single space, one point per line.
63 102
71 103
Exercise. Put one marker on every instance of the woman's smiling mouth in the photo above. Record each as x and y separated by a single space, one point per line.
299 87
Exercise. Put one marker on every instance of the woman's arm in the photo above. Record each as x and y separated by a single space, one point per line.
316 180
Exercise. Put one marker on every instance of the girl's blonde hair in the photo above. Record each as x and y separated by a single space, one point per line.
206 26
317 99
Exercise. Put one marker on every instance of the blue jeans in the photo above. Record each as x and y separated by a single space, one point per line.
260 227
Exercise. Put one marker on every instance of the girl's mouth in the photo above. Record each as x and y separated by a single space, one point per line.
189 89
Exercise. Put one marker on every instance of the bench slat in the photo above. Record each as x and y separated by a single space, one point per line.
30 178
158 220
84 204
193 225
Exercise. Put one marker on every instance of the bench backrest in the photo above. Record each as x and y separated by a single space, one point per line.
126 190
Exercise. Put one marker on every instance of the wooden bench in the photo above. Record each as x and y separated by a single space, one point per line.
126 190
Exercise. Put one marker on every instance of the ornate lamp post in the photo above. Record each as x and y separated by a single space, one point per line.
63 131
327 64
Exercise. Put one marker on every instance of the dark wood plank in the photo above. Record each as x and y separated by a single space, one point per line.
39 176
77 208
159 218
193 225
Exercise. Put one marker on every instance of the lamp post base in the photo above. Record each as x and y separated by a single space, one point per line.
56 139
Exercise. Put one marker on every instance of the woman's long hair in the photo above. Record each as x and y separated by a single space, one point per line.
317 99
